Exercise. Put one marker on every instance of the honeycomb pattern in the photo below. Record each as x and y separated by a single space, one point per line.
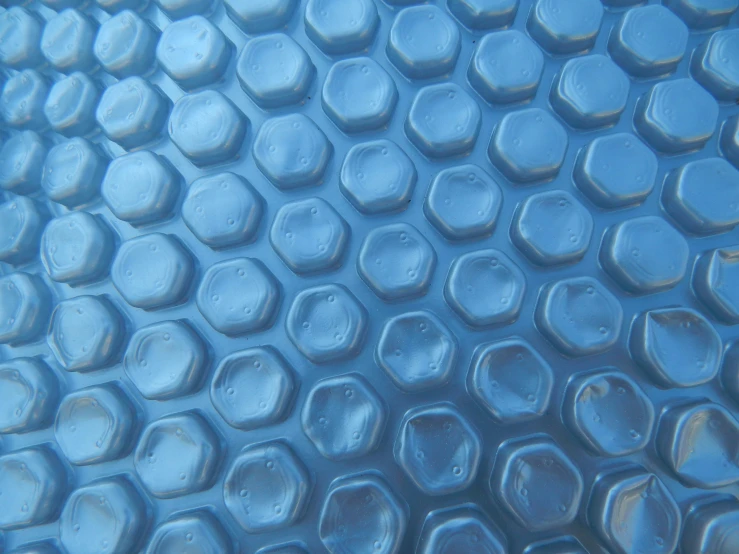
369 276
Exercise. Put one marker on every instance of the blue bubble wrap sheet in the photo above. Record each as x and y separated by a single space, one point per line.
369 277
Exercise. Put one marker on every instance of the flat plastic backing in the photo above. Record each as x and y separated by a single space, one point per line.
369 277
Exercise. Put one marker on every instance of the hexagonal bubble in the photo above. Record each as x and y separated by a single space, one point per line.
152 271
260 16
579 316
484 14
21 162
198 530
44 547
177 455
291 151
714 274
704 14
125 45
485 287
33 482
631 510
378 177
676 116
165 360
702 196
565 28
567 544
711 524
729 141
552 228
438 449
644 254
344 417
676 347
424 42
22 100
510 380
417 351
608 412
615 171
274 70
536 483
621 3
132 112
86 333
327 323
361 510
463 202
358 95
506 67
267 488
70 106
712 67
459 528
29 391
95 425
636 47
59 5
76 248
253 388
590 91
207 127
116 6
67 41
730 371
21 225
118 526
341 26
20 31
396 262
72 172
222 210
193 52
25 303
443 121
309 236
528 145
179 9
238 296
140 188
697 440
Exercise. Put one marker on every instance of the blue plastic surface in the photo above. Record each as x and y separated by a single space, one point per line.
369 276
